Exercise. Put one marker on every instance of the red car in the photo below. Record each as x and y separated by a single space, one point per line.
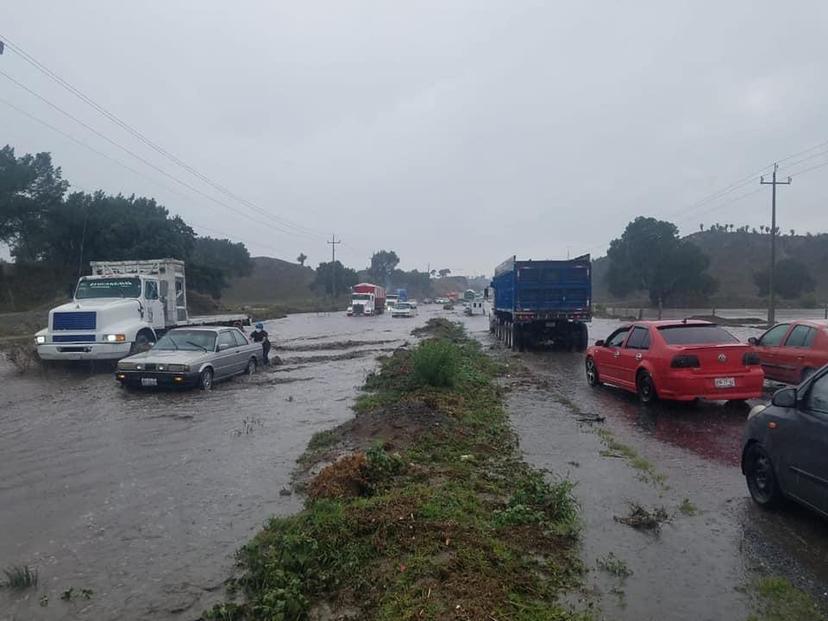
792 352
679 360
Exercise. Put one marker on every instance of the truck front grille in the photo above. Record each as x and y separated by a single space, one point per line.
73 338
75 320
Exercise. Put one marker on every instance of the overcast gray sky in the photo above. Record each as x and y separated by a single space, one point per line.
456 133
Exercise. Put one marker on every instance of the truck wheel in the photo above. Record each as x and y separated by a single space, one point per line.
582 338
205 380
142 343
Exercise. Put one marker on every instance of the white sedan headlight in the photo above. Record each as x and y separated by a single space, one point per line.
177 368
127 366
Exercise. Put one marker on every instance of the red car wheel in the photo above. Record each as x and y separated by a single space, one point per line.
593 379
646 387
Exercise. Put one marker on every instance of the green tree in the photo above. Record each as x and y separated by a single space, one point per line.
444 272
30 187
650 256
213 262
383 264
327 273
301 259
792 278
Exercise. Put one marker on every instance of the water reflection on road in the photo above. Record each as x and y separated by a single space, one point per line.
698 566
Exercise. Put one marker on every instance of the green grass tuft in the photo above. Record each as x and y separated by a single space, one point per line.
782 601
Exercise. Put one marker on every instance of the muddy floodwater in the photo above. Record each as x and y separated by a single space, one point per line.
143 497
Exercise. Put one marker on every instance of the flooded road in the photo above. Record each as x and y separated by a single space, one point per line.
143 497
701 563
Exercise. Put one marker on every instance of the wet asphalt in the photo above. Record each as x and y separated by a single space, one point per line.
697 567
143 497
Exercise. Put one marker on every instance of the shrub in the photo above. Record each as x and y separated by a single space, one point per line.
435 363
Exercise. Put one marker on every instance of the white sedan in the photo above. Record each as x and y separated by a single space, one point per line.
404 309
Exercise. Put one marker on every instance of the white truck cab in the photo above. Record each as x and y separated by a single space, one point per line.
121 308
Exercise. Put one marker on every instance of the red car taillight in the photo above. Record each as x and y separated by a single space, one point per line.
685 361
751 358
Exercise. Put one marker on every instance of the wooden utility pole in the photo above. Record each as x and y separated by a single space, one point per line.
333 242
771 293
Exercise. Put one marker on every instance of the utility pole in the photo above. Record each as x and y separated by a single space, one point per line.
333 242
771 292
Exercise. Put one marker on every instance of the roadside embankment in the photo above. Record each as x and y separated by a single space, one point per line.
418 508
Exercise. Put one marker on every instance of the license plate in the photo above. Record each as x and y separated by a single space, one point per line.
725 382
149 381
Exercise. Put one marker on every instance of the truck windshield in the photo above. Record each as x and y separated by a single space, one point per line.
188 340
361 296
108 288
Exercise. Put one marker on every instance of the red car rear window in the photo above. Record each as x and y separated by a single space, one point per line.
696 335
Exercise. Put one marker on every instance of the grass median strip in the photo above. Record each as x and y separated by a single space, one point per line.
428 513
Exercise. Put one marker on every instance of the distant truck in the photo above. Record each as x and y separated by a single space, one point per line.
121 309
542 302
402 295
367 299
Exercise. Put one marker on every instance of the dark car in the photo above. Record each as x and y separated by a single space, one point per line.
785 446
791 352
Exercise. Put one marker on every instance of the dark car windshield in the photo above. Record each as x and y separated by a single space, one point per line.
188 340
108 288
696 335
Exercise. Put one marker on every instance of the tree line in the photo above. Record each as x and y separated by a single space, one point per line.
651 257
46 225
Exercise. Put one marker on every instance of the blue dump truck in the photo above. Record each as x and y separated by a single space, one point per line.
542 303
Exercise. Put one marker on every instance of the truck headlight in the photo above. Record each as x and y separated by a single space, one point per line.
40 340
178 368
114 338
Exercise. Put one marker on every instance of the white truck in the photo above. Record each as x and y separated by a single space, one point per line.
120 309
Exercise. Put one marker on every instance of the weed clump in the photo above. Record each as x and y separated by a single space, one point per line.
435 363
614 565
641 518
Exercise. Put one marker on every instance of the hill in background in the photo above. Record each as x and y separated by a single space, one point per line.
272 281
734 257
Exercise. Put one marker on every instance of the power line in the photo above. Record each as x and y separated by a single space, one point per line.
143 138
145 161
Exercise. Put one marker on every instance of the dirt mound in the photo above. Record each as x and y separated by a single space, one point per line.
399 425
441 328
345 478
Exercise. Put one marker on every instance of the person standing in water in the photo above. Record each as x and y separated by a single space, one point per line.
259 335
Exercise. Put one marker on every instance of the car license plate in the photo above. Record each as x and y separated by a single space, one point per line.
149 381
725 382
